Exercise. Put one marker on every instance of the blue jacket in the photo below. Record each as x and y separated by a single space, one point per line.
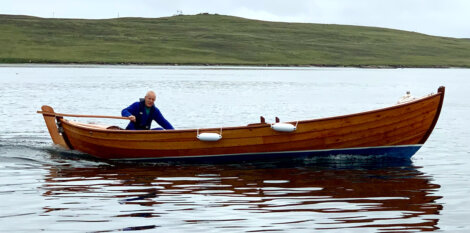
144 121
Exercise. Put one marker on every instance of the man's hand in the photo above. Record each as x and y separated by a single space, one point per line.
131 118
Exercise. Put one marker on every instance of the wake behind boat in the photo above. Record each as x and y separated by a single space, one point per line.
395 132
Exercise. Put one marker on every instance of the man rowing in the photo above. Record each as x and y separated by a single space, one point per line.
142 113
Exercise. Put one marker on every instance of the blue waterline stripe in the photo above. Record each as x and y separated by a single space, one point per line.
400 151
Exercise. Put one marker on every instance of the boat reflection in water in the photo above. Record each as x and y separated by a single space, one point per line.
361 197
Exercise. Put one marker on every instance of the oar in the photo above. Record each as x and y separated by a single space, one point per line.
76 115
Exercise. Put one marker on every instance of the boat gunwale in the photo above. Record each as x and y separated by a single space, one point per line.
257 125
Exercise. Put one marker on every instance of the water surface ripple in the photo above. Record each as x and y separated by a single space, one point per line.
45 188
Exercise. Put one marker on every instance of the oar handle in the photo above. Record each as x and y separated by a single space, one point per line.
76 115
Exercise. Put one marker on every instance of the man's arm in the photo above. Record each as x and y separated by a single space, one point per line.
161 120
131 111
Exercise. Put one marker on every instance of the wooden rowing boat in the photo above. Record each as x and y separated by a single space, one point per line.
396 132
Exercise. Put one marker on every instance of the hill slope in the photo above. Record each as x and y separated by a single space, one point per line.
218 39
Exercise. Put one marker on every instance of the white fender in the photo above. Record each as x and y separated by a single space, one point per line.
209 137
283 127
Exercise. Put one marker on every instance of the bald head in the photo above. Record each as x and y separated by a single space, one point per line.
150 98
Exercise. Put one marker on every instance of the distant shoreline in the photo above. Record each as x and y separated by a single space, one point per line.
220 40
233 65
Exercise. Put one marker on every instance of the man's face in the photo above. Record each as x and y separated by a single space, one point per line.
149 100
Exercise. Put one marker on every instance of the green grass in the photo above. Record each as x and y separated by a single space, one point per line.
218 39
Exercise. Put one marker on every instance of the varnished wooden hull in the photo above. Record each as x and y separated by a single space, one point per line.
398 131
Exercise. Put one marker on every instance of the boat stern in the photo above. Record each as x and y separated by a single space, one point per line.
50 118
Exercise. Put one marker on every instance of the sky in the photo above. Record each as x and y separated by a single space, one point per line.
449 18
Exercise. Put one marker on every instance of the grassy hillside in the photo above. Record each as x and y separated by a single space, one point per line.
218 39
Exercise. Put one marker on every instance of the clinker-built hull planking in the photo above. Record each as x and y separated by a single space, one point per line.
397 131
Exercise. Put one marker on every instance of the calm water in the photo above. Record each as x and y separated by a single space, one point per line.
44 188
